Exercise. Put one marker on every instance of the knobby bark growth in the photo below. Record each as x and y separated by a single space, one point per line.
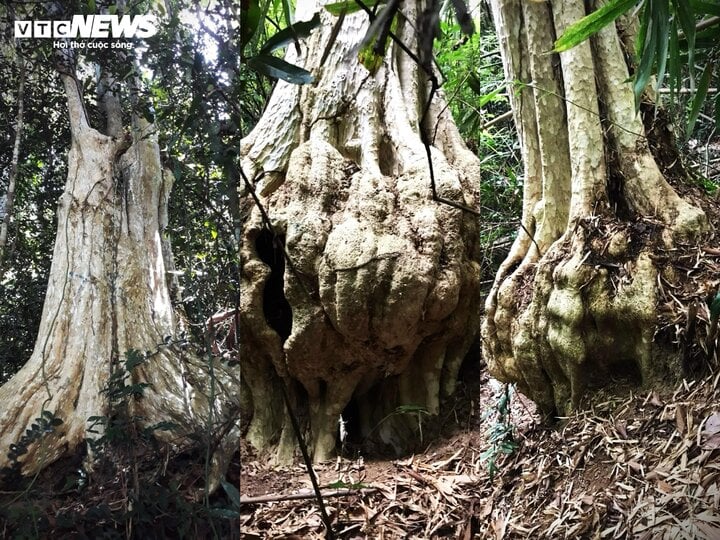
576 301
107 295
377 303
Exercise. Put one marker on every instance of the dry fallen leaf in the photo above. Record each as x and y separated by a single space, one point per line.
499 525
487 509
711 433
664 486
680 413
712 424
639 480
711 443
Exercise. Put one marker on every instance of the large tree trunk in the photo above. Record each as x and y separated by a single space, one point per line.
107 295
576 302
379 301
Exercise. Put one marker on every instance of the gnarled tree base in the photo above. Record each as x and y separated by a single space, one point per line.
377 301
576 302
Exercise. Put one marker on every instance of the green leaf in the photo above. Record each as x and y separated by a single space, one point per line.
369 58
346 485
648 45
706 8
133 359
675 77
662 15
250 17
287 35
590 24
232 492
280 69
715 307
162 426
686 18
409 409
350 6
289 18
699 98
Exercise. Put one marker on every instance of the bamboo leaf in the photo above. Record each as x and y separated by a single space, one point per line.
287 12
486 98
289 18
590 24
232 492
675 77
287 35
662 14
707 39
699 98
280 69
641 37
686 18
649 48
706 8
250 17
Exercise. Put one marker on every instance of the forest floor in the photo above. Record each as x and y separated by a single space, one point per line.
643 466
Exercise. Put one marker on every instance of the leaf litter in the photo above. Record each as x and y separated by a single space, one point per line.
644 466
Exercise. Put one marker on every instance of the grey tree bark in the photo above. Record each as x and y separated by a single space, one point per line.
378 302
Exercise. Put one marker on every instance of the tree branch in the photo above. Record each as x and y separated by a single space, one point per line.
299 496
65 65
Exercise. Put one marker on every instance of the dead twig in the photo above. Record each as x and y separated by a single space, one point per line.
276 497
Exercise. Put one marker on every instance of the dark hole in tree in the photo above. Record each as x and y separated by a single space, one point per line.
387 158
616 191
624 371
615 179
628 371
276 308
